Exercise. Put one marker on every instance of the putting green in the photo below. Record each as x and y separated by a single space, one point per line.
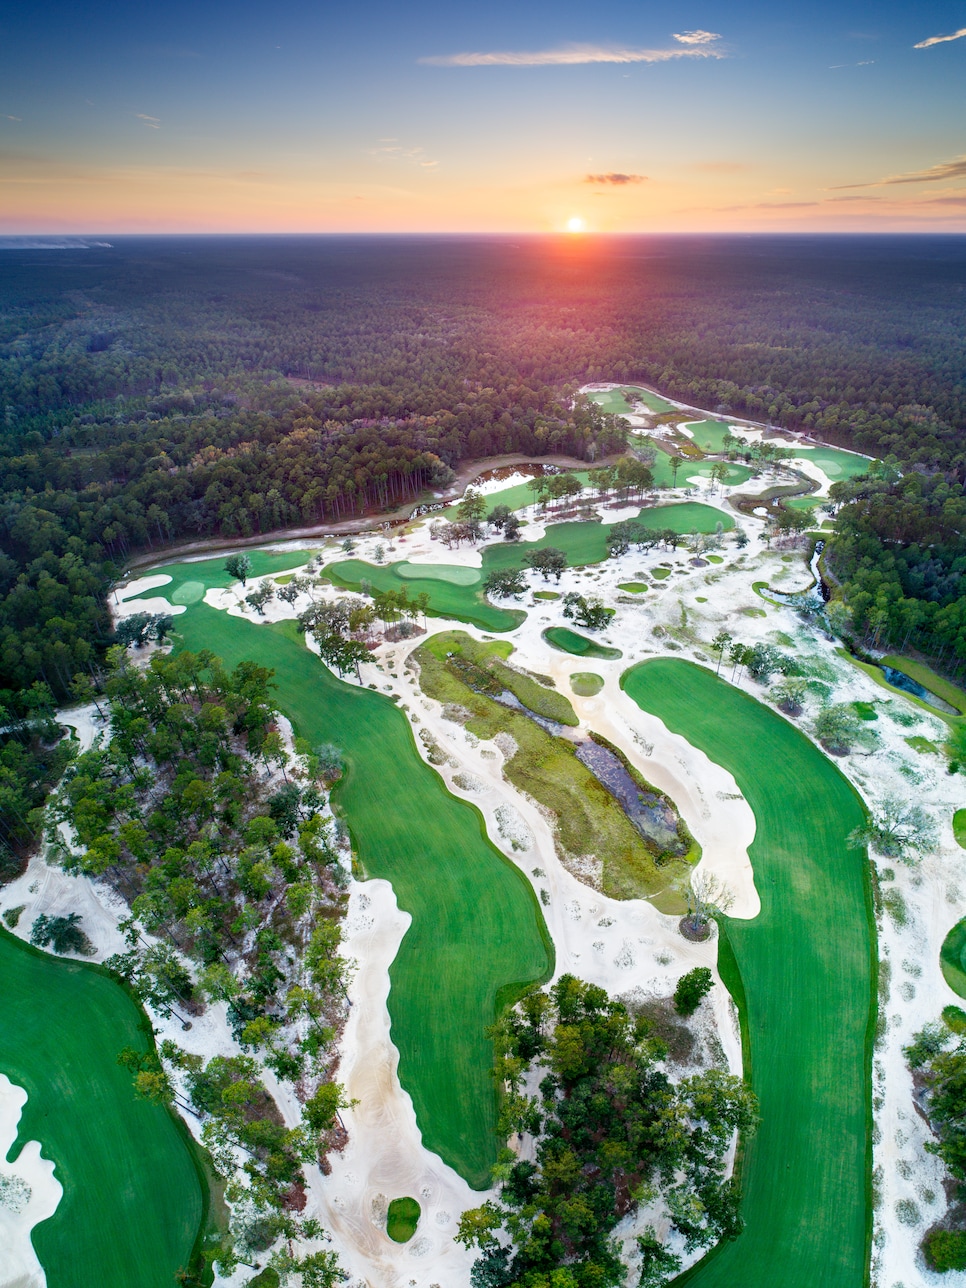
833 462
455 574
133 1201
402 1219
189 593
463 602
952 958
806 964
959 827
477 935
568 641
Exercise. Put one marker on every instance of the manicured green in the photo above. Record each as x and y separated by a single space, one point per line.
659 574
927 677
952 958
465 603
568 641
517 497
615 403
455 574
402 1219
709 435
959 827
691 469
546 594
838 465
585 683
807 965
633 587
477 935
133 1201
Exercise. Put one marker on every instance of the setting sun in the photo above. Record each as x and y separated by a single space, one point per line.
576 225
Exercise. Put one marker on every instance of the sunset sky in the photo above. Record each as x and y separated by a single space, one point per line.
522 116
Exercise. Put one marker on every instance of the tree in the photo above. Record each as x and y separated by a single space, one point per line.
549 561
789 696
264 594
590 613
238 566
719 472
691 988
675 463
505 582
471 511
708 897
897 829
63 934
718 645
838 729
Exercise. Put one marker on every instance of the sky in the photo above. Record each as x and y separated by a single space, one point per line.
618 116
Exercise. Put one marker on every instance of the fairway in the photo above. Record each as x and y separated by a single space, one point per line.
133 1201
568 641
806 964
614 402
477 935
952 958
461 600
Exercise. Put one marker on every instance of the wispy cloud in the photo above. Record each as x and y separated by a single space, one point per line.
152 122
946 170
615 178
12 118
866 62
702 46
696 37
940 40
391 150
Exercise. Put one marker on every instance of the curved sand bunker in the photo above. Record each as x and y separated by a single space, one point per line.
29 1194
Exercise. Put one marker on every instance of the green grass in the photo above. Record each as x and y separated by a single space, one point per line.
454 574
922 745
959 827
952 958
614 402
835 463
546 768
539 699
517 497
865 710
807 964
924 675
402 1219
568 641
465 602
133 1201
633 587
709 435
660 574
546 594
477 935
876 675
585 683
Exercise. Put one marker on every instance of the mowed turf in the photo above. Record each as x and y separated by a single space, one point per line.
806 964
582 542
133 1201
477 935
614 401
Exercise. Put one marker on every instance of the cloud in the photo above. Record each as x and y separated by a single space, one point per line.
393 151
955 169
13 118
940 40
866 62
574 55
152 122
615 178
696 37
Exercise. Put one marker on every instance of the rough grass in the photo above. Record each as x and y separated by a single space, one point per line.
633 587
952 958
589 819
807 967
402 1219
477 936
586 684
541 700
568 641
959 827
133 1201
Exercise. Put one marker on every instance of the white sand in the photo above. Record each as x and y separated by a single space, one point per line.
140 586
19 1266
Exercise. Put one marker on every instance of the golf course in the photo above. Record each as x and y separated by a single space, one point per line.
134 1201
477 936
805 969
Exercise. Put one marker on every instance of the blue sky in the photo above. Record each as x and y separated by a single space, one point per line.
509 117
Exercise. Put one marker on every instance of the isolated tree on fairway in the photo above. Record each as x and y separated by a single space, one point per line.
549 561
238 566
505 582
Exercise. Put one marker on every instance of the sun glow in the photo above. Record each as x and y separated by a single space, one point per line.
576 225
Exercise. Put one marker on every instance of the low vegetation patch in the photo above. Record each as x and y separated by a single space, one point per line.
586 684
568 641
633 587
402 1219
455 669
959 827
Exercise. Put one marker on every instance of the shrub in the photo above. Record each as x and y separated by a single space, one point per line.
690 990
945 1249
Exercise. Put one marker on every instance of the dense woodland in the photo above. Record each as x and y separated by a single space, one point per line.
197 387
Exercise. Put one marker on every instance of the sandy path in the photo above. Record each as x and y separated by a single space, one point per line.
19 1266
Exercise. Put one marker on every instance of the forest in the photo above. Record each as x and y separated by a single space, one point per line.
182 388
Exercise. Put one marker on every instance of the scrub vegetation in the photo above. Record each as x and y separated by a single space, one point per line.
456 670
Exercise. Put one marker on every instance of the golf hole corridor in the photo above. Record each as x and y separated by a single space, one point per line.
807 966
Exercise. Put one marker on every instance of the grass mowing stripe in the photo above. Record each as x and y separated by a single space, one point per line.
477 937
807 965
133 1200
